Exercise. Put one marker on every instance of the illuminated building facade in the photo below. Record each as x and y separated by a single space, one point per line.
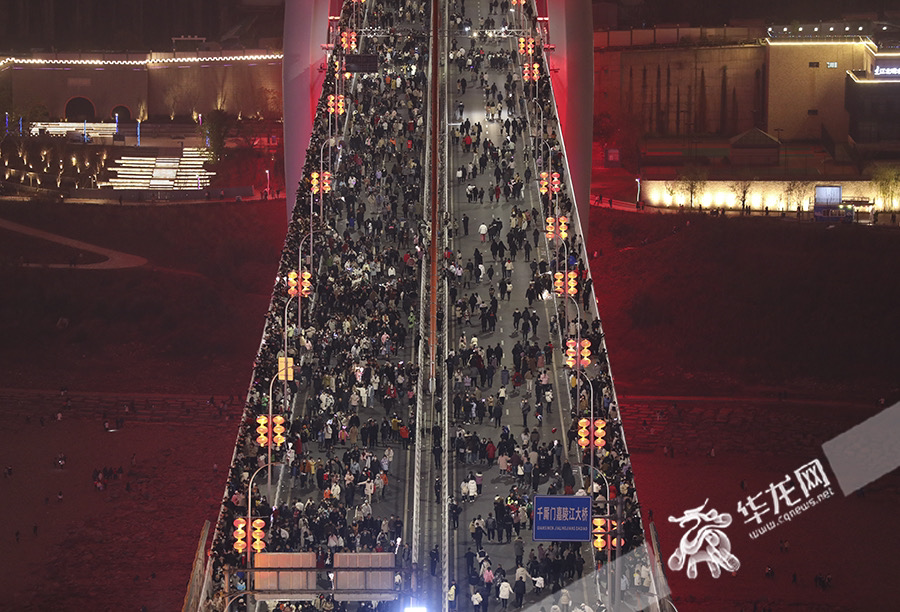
873 104
142 86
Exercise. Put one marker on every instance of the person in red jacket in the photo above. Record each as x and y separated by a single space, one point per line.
490 452
404 436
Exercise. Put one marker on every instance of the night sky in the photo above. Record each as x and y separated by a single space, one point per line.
141 25
117 25
719 12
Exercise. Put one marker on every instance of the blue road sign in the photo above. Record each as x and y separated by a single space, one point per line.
562 518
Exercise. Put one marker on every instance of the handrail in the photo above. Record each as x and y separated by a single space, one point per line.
576 223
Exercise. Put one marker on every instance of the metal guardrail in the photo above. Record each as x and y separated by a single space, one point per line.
446 242
206 590
576 223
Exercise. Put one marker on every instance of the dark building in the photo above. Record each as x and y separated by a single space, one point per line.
873 103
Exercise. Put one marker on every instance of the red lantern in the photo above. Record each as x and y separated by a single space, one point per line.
278 430
240 536
305 284
262 430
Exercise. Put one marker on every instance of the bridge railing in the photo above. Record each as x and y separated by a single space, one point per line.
265 368
603 353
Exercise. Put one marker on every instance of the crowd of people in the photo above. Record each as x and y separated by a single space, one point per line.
366 253
359 327
517 145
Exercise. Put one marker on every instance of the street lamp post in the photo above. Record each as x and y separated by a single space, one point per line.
549 164
322 176
285 334
591 388
270 427
234 598
596 469
577 351
268 191
300 251
250 499
300 269
562 241
540 134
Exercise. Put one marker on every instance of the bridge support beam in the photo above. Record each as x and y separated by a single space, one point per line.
305 30
572 63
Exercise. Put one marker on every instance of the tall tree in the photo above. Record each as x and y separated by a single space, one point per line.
741 189
691 182
216 128
887 181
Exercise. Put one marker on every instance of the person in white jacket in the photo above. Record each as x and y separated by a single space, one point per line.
505 593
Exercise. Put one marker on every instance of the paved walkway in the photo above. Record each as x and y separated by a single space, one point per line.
556 423
115 260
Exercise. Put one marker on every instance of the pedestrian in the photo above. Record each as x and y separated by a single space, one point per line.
476 601
470 560
565 600
478 536
434 559
519 549
504 593
438 452
519 590
455 511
